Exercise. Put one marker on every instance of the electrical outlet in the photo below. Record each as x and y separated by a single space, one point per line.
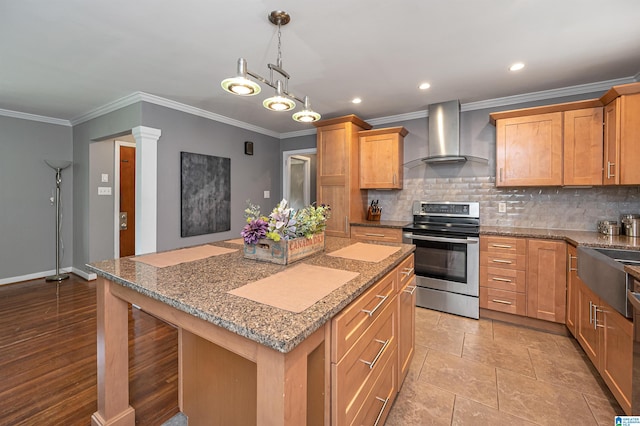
104 190
105 177
267 194
502 207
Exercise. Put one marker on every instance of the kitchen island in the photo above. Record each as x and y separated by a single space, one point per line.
238 359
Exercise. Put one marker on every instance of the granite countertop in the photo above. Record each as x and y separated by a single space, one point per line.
381 223
200 289
578 238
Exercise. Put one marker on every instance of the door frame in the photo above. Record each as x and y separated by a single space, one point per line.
116 195
285 155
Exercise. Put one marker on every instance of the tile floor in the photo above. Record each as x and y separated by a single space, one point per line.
469 372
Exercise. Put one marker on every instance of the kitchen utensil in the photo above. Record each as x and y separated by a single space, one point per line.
626 219
632 227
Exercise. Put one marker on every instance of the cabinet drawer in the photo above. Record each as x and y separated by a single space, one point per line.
354 375
376 233
505 260
379 400
503 279
406 271
351 323
503 301
503 244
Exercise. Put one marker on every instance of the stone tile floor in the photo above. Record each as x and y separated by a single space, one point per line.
481 372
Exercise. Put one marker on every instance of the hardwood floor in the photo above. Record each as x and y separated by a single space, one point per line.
48 357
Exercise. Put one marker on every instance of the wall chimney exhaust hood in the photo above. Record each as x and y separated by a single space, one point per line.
444 135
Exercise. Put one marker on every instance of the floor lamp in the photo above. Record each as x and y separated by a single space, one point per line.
58 166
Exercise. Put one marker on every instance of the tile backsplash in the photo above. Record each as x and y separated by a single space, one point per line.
539 207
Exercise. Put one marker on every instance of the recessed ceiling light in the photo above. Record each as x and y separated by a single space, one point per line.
424 86
516 67
356 100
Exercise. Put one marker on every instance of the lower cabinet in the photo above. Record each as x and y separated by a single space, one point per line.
546 280
372 343
607 338
572 280
376 233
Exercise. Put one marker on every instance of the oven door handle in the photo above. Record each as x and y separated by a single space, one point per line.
441 239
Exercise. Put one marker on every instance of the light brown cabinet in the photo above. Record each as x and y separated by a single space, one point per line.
621 133
582 147
376 233
563 147
381 157
546 280
572 279
338 169
503 265
607 338
529 150
406 317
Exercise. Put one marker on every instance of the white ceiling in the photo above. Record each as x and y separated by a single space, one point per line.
65 58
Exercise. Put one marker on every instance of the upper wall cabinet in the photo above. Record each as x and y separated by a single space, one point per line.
550 146
621 134
381 156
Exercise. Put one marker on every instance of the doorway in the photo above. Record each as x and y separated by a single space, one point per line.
299 177
125 198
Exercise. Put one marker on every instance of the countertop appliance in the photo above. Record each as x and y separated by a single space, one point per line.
447 256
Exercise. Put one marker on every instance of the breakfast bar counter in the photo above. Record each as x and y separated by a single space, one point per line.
224 338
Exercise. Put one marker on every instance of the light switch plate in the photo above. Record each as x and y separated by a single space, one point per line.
502 207
267 194
104 190
105 177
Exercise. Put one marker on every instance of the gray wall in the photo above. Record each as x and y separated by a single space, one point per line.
101 207
93 228
250 175
27 218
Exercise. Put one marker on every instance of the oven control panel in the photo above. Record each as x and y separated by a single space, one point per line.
446 209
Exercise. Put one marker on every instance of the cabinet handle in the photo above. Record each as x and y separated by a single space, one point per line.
571 257
504 280
394 178
369 234
595 317
372 364
501 261
590 312
500 174
504 302
501 246
346 224
384 405
373 311
412 287
609 174
407 271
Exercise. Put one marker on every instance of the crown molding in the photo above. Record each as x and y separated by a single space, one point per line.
399 117
34 117
637 76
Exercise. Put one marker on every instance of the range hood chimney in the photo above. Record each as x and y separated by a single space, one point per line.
444 135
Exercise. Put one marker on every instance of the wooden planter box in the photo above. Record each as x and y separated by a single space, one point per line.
284 252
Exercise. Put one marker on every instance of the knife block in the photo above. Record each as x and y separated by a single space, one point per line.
373 216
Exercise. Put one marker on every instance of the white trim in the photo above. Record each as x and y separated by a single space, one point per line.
116 195
34 276
399 117
637 76
298 133
34 117
89 276
146 188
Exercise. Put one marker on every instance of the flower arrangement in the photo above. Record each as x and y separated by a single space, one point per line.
284 223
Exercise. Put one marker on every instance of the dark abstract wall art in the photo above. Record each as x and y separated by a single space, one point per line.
206 194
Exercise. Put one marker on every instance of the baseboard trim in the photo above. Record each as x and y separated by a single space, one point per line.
37 275
549 327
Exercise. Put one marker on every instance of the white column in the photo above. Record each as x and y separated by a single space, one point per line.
146 188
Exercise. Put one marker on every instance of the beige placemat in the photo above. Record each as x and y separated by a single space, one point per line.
174 257
296 288
365 252
236 241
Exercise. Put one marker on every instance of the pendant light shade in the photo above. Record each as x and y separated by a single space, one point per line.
242 85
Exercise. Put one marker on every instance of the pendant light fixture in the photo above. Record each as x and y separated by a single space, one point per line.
282 100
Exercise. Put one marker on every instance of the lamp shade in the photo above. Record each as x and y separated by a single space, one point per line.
278 103
306 116
240 86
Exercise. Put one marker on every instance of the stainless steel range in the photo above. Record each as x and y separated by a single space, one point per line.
447 257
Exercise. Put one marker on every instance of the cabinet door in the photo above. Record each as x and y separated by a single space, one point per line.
381 155
586 331
529 150
546 280
616 353
611 143
407 327
583 147
572 278
333 179
629 137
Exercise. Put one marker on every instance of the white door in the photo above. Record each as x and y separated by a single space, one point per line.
297 181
